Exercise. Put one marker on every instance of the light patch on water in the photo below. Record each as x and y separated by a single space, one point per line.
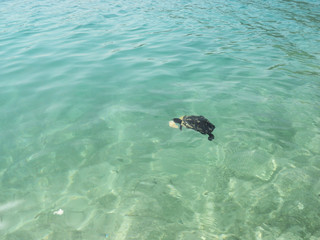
173 191
71 174
10 205
300 206
124 228
258 234
2 225
268 171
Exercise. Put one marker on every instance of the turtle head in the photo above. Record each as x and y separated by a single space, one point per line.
177 120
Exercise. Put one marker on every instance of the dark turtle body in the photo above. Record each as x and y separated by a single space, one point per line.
197 123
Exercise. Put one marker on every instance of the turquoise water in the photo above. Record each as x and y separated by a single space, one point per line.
86 92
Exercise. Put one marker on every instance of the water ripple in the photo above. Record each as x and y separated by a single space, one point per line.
87 89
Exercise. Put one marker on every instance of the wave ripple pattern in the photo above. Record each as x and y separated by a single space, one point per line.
86 92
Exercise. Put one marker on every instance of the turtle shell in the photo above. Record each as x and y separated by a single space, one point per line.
198 123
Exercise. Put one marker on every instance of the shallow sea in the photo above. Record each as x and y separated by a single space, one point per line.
86 92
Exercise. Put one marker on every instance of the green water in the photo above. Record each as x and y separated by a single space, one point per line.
86 92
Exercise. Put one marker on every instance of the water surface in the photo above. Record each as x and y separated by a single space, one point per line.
86 92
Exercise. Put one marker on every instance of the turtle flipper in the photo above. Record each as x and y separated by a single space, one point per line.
180 127
211 137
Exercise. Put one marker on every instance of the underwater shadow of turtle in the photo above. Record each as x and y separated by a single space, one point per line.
197 123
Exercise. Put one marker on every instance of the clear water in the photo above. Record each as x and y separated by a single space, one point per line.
86 92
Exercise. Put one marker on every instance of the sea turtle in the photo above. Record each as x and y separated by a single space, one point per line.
197 123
